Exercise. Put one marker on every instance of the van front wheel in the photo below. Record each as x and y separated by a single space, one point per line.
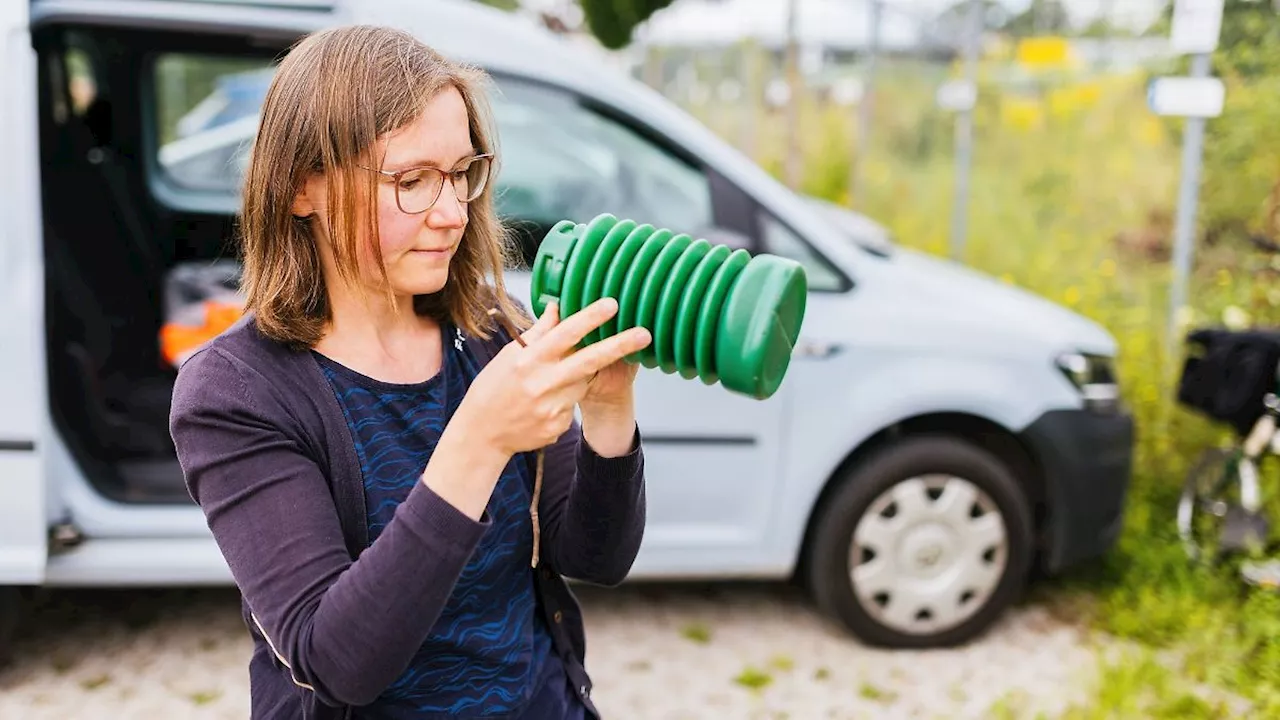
924 544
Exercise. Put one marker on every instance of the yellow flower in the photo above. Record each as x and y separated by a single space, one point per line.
1021 114
1151 131
1088 94
1235 318
1150 394
1072 295
1007 278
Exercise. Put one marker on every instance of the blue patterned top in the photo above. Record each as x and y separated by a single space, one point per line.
489 649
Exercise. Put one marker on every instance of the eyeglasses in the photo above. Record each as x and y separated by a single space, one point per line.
418 188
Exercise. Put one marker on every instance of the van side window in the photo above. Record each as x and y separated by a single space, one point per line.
205 117
558 157
778 239
82 81
562 159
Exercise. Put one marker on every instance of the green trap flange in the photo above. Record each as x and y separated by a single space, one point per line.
716 314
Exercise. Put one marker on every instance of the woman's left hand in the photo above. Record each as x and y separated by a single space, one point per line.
608 409
612 387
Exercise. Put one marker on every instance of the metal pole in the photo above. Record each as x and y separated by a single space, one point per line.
1108 12
964 133
751 101
1188 197
794 158
863 146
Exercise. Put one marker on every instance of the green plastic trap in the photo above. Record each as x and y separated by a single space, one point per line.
716 314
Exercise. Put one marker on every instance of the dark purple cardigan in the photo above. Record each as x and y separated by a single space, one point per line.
267 455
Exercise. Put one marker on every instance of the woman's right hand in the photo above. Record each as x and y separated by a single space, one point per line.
524 399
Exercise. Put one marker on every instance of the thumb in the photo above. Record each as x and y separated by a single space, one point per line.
550 318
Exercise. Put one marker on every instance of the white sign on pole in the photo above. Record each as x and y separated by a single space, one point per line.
957 95
1196 26
848 91
1186 96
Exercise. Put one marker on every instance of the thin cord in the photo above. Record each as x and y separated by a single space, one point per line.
537 478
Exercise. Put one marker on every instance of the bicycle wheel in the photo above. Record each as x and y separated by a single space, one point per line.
1210 494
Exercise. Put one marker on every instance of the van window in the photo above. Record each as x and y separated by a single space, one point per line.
558 157
562 159
781 240
82 81
205 117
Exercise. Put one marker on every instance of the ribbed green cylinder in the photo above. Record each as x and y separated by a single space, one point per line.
717 314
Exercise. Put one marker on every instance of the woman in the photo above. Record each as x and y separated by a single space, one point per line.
384 447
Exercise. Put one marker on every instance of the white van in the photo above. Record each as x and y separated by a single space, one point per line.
939 435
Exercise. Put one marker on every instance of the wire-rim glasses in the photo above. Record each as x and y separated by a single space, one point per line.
418 188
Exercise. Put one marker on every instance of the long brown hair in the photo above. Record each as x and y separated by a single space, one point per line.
333 95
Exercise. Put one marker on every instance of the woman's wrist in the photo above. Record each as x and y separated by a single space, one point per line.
465 466
609 430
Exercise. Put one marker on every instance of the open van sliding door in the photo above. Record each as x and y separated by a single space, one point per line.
22 482
120 534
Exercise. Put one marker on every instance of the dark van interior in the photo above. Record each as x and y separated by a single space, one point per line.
108 246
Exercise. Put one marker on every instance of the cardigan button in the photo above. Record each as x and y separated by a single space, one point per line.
558 617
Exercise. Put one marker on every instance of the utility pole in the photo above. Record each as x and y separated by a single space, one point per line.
748 57
964 130
794 157
1108 18
865 105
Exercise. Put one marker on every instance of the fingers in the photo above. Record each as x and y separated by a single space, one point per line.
581 365
550 316
561 340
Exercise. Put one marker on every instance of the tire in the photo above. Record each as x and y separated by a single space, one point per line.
1210 492
1213 522
11 606
938 581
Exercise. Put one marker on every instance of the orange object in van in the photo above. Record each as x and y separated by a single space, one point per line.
178 341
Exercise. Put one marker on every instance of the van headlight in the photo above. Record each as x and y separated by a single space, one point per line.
1094 376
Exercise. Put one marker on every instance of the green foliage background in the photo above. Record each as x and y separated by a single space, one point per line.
1073 187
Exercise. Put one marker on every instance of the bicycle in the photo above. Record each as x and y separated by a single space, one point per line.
1235 379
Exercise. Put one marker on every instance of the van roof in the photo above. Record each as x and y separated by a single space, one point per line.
462 29
469 31
465 30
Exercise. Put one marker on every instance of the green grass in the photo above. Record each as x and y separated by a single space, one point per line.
870 692
1070 195
697 633
753 678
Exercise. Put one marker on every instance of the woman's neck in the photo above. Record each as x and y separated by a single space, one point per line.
383 340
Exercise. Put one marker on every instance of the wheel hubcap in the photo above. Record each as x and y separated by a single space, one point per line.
927 554
923 550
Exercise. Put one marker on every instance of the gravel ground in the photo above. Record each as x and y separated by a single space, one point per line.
662 651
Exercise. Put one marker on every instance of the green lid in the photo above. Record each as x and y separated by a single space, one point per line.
550 264
760 324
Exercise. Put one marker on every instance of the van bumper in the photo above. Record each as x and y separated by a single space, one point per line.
1086 458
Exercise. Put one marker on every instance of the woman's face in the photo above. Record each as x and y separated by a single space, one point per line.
416 248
